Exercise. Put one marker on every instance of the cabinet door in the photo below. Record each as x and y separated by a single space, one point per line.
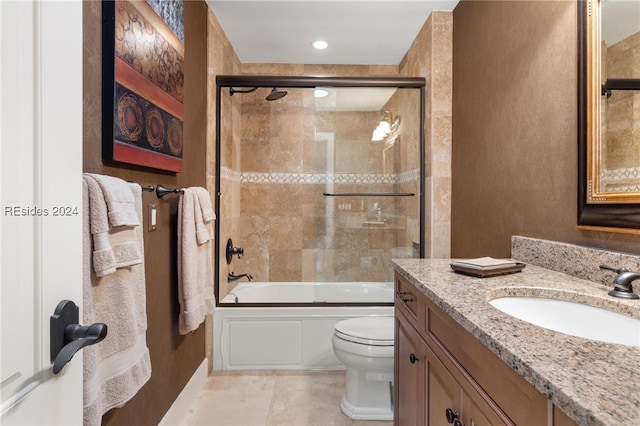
480 414
449 403
561 419
444 394
409 374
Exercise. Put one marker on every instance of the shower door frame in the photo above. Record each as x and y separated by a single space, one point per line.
244 81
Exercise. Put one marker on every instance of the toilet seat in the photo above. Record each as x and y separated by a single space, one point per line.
373 331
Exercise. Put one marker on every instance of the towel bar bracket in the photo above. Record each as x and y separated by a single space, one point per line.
68 337
162 190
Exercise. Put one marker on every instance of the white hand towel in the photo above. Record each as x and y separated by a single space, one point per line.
204 198
113 247
120 203
195 270
203 215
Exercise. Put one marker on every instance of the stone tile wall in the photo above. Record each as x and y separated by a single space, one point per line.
430 56
294 228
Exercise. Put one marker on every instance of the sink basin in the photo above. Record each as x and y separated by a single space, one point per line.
572 318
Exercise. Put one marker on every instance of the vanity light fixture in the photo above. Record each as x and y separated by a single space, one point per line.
388 125
319 44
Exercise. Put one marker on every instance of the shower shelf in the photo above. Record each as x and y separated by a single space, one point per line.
369 194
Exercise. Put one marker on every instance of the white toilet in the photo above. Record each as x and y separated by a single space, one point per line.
365 346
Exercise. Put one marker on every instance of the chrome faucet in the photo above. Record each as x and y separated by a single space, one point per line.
232 277
623 282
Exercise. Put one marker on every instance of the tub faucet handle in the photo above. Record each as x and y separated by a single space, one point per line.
231 251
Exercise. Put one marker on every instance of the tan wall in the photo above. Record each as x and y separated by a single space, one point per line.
430 57
515 128
174 357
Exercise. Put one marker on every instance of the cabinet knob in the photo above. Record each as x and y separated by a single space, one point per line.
402 295
452 417
413 358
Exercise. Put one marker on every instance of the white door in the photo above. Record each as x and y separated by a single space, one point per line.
41 219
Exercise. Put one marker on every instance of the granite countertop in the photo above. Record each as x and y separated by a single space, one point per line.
594 383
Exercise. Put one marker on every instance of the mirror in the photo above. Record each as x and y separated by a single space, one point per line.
609 78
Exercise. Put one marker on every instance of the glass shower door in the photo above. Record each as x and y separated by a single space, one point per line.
368 203
321 185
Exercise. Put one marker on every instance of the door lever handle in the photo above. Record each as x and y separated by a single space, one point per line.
81 336
68 337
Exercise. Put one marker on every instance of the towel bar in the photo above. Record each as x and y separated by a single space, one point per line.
369 194
148 188
162 190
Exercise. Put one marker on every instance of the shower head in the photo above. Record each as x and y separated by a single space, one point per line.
276 94
232 90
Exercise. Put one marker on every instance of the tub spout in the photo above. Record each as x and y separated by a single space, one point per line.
232 277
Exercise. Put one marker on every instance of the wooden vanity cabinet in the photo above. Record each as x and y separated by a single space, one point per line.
427 393
409 391
409 373
443 375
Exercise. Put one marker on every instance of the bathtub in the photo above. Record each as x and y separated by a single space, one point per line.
288 326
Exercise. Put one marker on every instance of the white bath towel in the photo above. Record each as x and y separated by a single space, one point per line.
203 215
116 368
195 271
121 204
113 247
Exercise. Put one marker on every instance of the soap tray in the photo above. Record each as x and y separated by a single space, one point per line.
486 267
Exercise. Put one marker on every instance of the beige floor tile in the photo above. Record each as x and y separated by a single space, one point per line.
232 401
272 398
312 400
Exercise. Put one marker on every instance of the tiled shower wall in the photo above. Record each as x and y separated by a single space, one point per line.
289 230
430 56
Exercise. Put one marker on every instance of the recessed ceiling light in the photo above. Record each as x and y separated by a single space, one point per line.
320 93
320 44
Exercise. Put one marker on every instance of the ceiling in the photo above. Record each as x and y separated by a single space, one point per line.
620 19
358 32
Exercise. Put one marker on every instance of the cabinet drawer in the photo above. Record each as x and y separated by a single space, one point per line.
407 299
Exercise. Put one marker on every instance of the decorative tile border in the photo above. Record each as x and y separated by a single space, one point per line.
409 176
320 178
229 174
621 180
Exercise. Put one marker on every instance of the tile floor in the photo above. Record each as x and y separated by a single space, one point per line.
272 398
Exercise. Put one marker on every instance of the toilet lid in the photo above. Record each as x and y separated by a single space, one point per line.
367 330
